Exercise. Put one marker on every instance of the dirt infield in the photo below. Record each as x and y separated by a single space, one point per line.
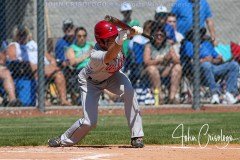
153 152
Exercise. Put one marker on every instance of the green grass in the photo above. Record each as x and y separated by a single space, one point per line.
113 129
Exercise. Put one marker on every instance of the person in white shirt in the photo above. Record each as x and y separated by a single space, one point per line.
25 49
172 20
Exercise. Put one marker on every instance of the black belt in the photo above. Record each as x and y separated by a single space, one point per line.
95 81
89 77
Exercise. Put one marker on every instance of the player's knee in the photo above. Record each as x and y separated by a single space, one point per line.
128 92
90 123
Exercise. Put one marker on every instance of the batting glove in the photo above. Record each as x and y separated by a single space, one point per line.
122 36
138 30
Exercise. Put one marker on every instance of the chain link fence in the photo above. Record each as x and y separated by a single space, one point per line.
193 60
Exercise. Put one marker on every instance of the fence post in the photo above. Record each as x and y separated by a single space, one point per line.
41 52
196 62
3 34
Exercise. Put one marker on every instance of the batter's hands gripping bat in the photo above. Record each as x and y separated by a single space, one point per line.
122 25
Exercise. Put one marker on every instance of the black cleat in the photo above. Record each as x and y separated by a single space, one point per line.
137 142
54 142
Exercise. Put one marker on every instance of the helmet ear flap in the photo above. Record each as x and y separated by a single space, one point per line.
101 43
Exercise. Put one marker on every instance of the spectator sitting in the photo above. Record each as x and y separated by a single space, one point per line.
78 56
162 61
64 42
8 83
79 52
183 9
126 11
172 20
136 48
25 49
212 67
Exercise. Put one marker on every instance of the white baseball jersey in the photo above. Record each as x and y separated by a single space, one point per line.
98 70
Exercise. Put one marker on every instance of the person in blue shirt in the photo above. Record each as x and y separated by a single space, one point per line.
212 67
64 42
136 48
183 9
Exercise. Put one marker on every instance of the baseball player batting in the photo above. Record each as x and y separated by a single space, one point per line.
103 72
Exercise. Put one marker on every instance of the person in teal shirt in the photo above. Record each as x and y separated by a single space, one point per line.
78 53
78 57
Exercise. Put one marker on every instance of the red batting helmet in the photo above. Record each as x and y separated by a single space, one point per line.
104 30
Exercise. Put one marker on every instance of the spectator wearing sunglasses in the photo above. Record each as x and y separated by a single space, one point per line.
78 53
78 57
161 61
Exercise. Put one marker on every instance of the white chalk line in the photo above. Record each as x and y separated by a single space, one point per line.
94 157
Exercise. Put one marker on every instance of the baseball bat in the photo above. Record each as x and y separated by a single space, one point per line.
122 25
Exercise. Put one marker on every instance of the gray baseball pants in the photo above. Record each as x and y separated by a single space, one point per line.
90 93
